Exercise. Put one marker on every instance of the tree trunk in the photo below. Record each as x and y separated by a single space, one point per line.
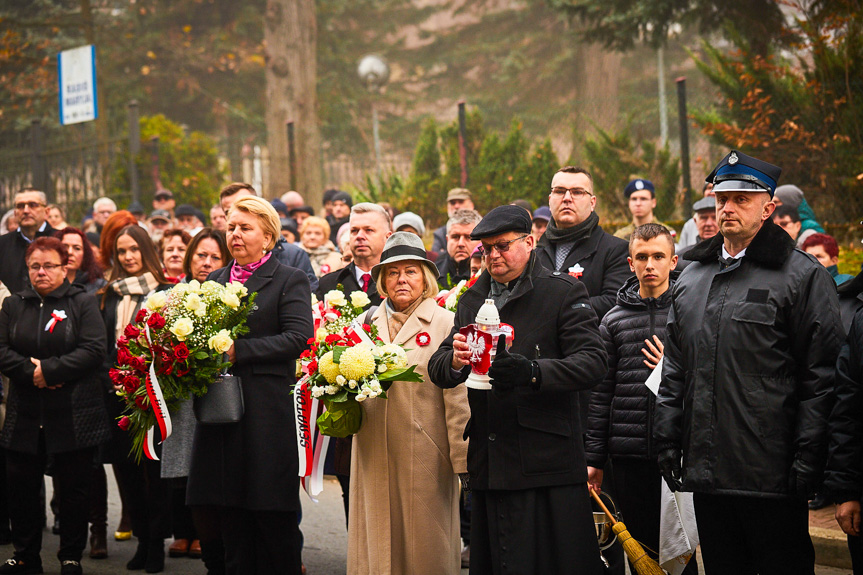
290 34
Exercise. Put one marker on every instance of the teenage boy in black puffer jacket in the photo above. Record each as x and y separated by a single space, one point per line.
621 407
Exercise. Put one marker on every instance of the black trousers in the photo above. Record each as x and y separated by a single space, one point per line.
533 532
637 488
148 497
855 547
753 535
181 515
24 474
260 542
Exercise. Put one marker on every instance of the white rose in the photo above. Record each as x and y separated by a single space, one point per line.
221 342
182 327
361 397
335 297
321 334
360 299
195 286
341 379
231 300
155 301
382 368
352 384
332 389
194 302
317 391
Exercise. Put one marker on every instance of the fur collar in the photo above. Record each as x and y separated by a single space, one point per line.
770 247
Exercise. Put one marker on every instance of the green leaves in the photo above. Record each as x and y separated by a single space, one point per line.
341 419
401 374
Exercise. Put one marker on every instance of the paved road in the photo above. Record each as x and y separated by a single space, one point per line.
323 526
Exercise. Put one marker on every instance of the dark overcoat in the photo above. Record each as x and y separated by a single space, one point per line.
13 269
72 416
348 279
748 371
253 464
603 258
530 438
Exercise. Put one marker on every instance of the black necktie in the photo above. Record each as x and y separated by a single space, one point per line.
724 263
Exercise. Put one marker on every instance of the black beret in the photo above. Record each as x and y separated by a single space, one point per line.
343 197
502 219
184 210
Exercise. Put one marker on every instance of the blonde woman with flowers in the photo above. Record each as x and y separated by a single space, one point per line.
248 471
410 450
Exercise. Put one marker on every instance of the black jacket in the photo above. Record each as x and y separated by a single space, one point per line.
72 416
253 464
750 357
347 277
850 300
13 270
294 256
525 438
844 475
620 421
603 258
451 272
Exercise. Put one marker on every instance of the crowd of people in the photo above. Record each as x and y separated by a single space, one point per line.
743 312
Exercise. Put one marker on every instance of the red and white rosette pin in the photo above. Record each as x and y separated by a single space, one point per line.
57 316
423 339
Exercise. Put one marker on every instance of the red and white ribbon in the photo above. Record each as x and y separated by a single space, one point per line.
56 317
157 402
311 447
357 334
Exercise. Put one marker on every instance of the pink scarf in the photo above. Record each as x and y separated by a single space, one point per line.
242 273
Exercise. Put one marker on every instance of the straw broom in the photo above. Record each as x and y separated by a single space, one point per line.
643 564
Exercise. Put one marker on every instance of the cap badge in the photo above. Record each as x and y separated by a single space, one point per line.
732 159
639 185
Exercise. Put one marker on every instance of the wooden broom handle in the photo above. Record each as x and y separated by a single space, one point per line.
601 504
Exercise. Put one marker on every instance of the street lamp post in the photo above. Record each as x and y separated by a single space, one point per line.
374 72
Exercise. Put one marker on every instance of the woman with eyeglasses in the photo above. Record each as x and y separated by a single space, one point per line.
137 272
52 347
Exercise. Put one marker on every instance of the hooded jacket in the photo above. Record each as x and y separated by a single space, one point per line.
749 364
620 420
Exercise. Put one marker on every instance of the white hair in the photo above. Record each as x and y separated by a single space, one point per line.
104 201
370 208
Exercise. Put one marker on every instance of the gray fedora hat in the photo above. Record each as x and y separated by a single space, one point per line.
403 246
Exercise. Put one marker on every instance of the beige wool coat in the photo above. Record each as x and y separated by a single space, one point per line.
404 517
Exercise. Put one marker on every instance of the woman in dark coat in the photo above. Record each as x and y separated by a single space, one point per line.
51 347
249 470
137 272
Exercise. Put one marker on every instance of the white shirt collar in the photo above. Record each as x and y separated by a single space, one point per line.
360 273
726 255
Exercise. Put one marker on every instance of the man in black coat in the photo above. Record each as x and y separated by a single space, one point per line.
454 263
747 381
574 243
530 510
32 223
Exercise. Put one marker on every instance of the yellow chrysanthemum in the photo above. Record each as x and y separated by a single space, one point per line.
328 368
357 362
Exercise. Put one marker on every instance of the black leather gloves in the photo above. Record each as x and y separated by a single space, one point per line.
510 370
803 479
669 466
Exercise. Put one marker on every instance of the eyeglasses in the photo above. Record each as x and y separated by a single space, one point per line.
501 247
560 192
47 267
31 205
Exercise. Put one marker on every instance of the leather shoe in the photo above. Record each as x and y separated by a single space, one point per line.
195 549
98 544
14 566
180 548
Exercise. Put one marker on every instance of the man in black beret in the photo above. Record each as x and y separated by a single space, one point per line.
753 334
341 214
530 509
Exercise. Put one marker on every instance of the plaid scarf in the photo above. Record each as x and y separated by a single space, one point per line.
132 291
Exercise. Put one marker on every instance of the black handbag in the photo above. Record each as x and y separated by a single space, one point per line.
223 402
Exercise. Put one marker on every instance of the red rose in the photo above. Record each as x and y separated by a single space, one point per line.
423 339
181 352
138 363
122 342
123 356
156 321
142 313
305 354
131 331
131 383
310 341
142 402
367 327
313 366
124 423
115 374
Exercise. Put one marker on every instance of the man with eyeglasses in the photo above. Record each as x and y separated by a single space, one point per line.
530 511
575 244
456 199
32 223
454 264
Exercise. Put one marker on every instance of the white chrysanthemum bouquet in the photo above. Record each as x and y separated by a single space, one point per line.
173 349
347 363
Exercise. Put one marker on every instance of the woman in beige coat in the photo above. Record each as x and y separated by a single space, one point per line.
410 449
